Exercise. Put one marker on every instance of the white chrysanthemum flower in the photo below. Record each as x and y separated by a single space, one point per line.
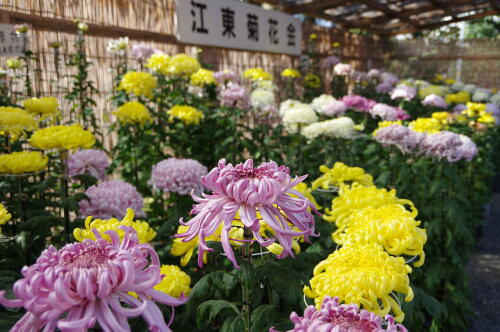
457 86
262 98
470 88
320 103
299 115
481 95
342 127
118 46
495 98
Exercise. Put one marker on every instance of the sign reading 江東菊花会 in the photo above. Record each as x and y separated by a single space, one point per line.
10 43
234 24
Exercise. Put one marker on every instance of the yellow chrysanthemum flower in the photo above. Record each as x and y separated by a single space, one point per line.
391 226
364 275
474 109
339 174
15 121
138 83
461 97
305 190
313 36
426 125
63 138
186 249
289 72
42 106
443 117
187 114
449 81
144 232
159 63
183 65
432 90
13 63
203 77
358 197
175 281
132 112
22 162
487 118
5 216
383 124
257 74
312 81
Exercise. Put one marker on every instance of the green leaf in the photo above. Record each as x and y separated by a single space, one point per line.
213 308
263 317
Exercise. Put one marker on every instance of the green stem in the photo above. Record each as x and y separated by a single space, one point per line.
64 192
245 286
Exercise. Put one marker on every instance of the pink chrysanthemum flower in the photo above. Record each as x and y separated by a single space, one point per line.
85 283
333 317
359 103
89 161
178 175
262 191
111 199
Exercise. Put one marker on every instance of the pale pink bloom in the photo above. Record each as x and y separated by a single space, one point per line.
342 69
384 111
329 62
266 189
334 108
85 283
403 91
111 199
358 76
444 145
234 95
224 76
373 73
91 161
384 87
333 317
389 78
401 114
178 175
142 51
459 108
435 100
400 136
358 103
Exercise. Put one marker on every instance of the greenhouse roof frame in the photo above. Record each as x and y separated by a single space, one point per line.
389 17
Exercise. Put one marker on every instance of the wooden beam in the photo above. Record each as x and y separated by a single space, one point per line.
495 5
439 24
449 57
447 10
314 6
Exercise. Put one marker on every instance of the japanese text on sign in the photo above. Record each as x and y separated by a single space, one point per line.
10 43
234 24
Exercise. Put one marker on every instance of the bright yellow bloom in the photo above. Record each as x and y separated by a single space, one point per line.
478 111
336 44
364 275
144 232
203 77
257 74
312 81
183 65
432 90
175 281
132 112
383 124
138 83
289 72
426 125
187 114
63 138
391 226
304 189
159 63
486 118
13 63
186 249
357 197
43 106
313 36
22 162
339 174
443 117
461 97
4 215
449 81
15 121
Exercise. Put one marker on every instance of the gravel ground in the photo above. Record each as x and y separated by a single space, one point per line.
484 273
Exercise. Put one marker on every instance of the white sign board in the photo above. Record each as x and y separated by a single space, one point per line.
234 24
10 43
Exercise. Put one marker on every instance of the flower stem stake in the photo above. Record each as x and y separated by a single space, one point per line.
64 192
245 285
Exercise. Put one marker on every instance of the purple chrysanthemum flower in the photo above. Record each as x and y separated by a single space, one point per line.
342 69
88 282
333 317
329 62
401 136
234 94
359 76
334 108
358 103
384 87
178 175
384 111
93 162
468 149
111 199
401 114
434 100
389 78
403 91
142 51
242 188
224 76
443 145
